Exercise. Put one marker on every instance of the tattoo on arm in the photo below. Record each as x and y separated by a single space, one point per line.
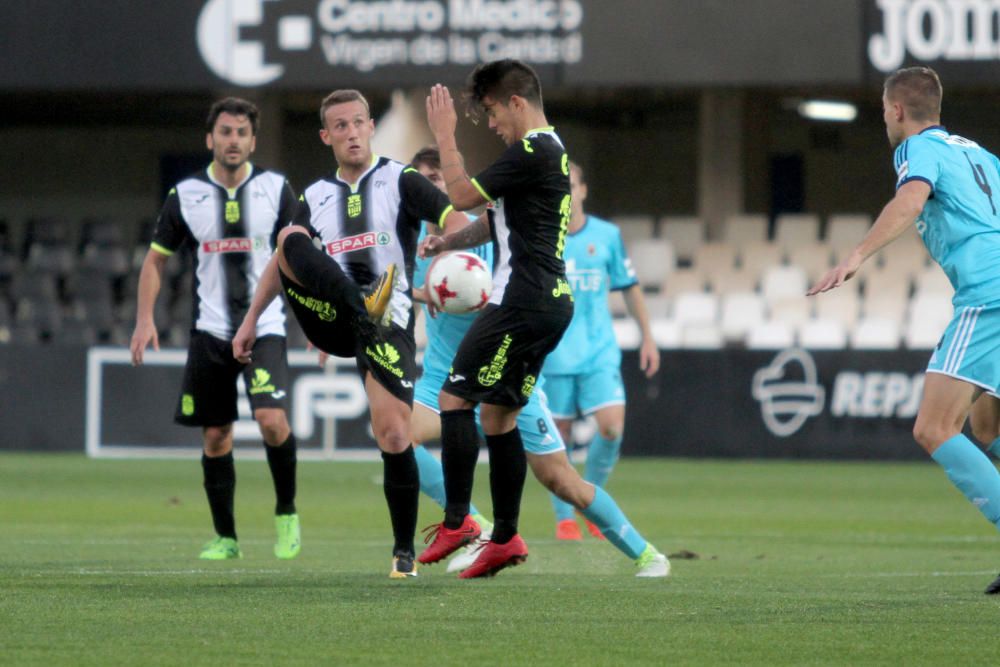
475 234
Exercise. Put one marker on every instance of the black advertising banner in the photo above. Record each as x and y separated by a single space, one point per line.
312 45
770 404
732 403
958 38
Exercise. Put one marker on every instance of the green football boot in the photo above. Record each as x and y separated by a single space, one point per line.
289 542
221 548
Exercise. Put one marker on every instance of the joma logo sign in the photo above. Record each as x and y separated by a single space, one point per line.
931 30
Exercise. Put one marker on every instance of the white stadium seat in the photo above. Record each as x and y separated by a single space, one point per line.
815 258
847 230
929 316
702 336
793 229
742 229
685 233
715 256
730 280
783 282
657 305
684 280
741 311
823 334
635 229
933 281
757 256
627 334
653 260
666 333
876 333
770 335
794 311
842 305
696 308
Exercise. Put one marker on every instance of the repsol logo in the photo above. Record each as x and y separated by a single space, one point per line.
876 394
929 30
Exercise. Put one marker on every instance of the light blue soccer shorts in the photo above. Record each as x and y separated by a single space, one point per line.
970 347
584 393
538 432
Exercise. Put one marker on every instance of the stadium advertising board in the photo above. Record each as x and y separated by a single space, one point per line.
956 37
724 403
776 404
319 44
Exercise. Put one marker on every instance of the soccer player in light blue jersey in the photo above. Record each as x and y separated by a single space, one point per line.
545 450
583 374
950 187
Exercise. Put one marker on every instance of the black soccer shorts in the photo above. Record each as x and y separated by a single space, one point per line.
499 359
208 393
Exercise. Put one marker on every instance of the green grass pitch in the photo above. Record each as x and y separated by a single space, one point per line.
799 563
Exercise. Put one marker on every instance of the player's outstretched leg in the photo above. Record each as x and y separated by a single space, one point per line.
460 451
432 485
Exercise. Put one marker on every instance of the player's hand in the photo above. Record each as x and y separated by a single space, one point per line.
432 310
323 356
144 334
431 246
441 116
243 342
838 275
649 357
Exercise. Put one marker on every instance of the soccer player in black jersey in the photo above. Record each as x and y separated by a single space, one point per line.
501 356
353 230
228 214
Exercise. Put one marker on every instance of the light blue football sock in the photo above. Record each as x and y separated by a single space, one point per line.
432 478
606 515
994 448
562 508
602 454
973 473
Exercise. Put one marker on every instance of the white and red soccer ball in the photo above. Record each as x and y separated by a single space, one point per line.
459 282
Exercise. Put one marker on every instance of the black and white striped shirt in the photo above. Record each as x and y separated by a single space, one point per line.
366 226
231 234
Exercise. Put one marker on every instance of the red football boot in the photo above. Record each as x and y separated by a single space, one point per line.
494 557
447 540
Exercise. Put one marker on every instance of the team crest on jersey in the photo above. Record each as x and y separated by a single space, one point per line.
591 250
232 211
358 242
354 205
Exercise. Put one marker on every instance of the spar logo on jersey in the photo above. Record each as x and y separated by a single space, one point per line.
789 392
232 245
358 242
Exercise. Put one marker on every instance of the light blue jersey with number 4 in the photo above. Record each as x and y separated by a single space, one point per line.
960 223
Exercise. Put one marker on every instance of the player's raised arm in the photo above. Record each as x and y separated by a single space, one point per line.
901 212
442 119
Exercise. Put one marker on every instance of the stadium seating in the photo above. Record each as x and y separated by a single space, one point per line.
742 229
686 234
795 229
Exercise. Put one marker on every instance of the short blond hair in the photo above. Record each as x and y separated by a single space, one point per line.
341 97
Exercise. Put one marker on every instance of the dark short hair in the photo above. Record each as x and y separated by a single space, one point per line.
428 156
500 80
918 89
235 106
341 97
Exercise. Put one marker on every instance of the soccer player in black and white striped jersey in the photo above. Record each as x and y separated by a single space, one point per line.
353 230
228 215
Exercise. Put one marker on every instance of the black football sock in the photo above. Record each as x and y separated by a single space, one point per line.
322 275
220 487
281 460
459 453
401 483
508 469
